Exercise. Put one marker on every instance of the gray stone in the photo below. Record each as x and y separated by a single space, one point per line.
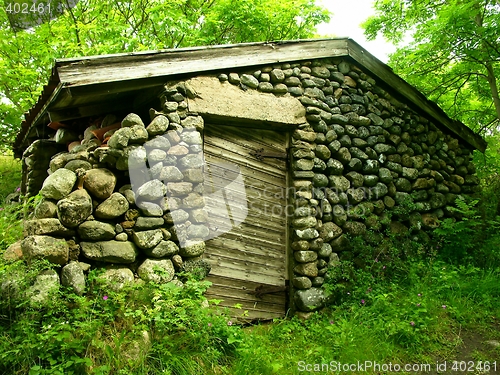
311 299
371 166
156 270
193 122
160 142
302 282
355 178
410 173
357 195
96 231
75 208
307 234
158 126
100 182
72 277
150 209
197 231
193 200
191 161
329 231
385 175
147 223
110 251
305 256
116 205
59 184
138 134
322 152
306 269
164 249
151 191
132 119
120 138
320 180
402 184
304 222
156 156
55 250
343 155
73 165
121 237
116 277
47 226
192 249
44 289
45 209
179 188
277 76
333 166
148 239
250 81
325 251
340 183
370 180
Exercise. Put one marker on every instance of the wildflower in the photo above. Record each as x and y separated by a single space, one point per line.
376 260
362 301
412 323
331 321
230 323
210 324
419 295
444 306
418 304
105 297
383 267
348 293
18 189
1 208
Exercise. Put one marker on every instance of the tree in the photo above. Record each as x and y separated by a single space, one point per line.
96 27
454 57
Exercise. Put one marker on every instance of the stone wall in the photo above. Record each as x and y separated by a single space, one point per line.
127 199
360 156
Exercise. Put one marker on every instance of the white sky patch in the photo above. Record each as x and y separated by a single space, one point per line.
345 22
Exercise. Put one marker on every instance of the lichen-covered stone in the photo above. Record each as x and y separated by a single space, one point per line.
164 249
47 226
96 231
148 239
110 251
148 270
59 184
55 250
100 182
192 249
75 208
311 299
72 277
116 205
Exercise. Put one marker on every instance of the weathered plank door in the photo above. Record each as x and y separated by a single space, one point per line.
246 170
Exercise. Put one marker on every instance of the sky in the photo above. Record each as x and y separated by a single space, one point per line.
345 22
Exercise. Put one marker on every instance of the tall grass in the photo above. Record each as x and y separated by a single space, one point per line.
10 175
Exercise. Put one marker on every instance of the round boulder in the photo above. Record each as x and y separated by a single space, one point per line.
116 205
100 182
59 184
148 270
74 209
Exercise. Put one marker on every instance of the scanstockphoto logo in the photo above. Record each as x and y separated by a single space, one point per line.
202 201
25 14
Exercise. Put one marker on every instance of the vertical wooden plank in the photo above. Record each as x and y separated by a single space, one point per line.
241 259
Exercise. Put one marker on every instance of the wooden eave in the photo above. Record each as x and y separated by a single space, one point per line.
91 85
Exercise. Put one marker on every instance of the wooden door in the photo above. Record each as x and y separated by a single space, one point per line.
248 248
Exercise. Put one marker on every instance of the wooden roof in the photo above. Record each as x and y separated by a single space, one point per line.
96 85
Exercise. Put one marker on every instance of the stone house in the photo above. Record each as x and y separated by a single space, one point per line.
259 162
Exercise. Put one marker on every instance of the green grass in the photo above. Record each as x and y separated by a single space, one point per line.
418 311
10 175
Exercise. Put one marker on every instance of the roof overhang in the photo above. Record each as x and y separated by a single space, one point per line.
95 85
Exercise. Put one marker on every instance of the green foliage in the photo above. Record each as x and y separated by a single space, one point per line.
103 27
10 175
453 57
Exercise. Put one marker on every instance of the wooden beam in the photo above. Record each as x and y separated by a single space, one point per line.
198 60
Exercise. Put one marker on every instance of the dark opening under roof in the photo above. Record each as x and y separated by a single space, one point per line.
87 86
